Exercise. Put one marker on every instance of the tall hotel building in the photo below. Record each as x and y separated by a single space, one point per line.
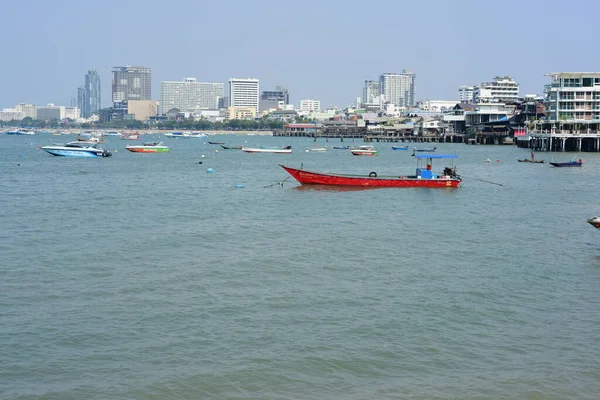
370 92
88 96
131 83
244 93
465 94
309 105
189 95
398 89
573 96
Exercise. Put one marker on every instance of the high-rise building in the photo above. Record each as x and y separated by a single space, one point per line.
309 105
130 83
278 98
370 92
88 96
398 89
189 95
502 89
29 110
243 93
465 94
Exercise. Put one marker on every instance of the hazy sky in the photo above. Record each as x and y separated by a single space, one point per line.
321 50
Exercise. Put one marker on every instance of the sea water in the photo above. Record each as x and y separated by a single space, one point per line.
145 276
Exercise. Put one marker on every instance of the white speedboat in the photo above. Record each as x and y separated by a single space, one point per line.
281 150
77 149
21 132
364 150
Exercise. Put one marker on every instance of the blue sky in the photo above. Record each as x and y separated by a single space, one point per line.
321 50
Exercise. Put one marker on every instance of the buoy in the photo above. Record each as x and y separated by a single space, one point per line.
202 156
497 160
239 186
210 170
199 162
216 151
488 160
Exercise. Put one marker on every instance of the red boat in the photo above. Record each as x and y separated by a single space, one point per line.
424 177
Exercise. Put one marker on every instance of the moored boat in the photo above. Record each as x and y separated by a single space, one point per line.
278 150
209 142
77 149
571 163
425 150
149 147
527 160
324 148
236 147
341 147
20 132
594 221
364 150
424 177
399 147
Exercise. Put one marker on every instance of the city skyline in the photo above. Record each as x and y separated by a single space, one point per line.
325 51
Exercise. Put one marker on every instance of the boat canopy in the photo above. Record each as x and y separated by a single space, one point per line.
436 156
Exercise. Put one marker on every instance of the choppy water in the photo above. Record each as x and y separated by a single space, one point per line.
144 276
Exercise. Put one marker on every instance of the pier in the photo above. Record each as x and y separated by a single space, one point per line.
561 141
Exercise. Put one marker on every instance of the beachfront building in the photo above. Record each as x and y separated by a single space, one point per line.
309 106
500 90
29 110
277 99
244 93
130 83
240 113
573 96
142 110
51 112
11 114
88 96
398 88
465 94
73 113
189 95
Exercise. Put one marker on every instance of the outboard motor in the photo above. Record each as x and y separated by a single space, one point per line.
106 153
451 172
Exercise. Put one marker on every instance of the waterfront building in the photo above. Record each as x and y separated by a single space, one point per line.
130 83
371 92
51 112
398 88
437 105
274 99
240 113
573 96
73 113
142 110
29 110
189 95
11 114
89 95
244 93
501 89
309 105
465 94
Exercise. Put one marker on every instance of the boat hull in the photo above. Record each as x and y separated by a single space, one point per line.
567 164
315 178
259 150
531 161
363 152
76 153
399 148
142 149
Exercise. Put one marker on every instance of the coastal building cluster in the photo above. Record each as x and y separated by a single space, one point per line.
488 112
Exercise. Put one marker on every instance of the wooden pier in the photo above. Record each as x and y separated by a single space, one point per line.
561 142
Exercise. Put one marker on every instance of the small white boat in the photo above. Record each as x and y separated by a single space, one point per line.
364 150
324 148
279 150
77 149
